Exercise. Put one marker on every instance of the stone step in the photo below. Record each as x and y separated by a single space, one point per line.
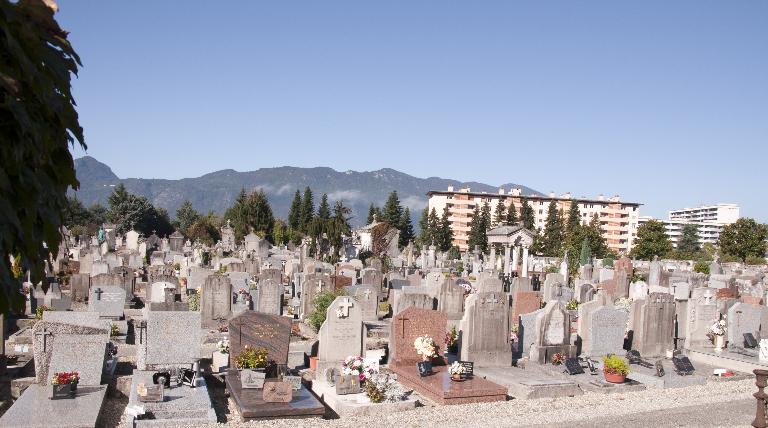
185 422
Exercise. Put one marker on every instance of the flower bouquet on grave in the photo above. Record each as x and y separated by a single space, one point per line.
425 347
717 332
223 346
457 371
353 365
451 341
381 387
64 384
558 359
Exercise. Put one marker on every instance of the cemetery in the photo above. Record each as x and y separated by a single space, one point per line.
262 332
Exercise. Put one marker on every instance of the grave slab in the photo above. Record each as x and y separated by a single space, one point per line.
524 385
358 404
252 406
439 387
181 406
34 410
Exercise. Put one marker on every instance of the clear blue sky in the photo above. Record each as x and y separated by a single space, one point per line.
664 103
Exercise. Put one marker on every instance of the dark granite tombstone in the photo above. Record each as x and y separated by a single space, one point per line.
252 405
258 330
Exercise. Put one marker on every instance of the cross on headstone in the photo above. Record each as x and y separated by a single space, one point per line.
44 333
98 292
344 306
142 328
367 294
493 299
402 331
559 290
708 298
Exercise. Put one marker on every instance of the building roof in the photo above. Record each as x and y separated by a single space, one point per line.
531 197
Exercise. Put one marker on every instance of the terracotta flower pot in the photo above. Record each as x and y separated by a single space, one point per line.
614 378
313 363
456 378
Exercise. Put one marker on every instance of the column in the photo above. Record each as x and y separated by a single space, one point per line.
515 259
493 257
507 267
524 274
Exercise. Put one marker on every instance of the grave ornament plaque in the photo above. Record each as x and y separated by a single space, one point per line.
573 367
277 392
683 365
749 341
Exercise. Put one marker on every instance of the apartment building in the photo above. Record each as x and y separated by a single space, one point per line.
618 219
710 220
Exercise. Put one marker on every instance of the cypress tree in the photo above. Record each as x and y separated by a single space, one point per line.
499 216
294 214
552 240
392 211
307 210
512 213
406 228
527 216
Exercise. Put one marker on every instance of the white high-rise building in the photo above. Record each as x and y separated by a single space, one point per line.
710 220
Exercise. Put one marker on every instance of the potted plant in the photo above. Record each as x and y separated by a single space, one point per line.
451 345
252 358
354 365
615 369
717 334
457 371
64 384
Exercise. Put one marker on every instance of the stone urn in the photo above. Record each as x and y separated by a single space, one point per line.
719 343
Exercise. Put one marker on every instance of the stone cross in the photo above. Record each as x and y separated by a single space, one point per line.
344 307
142 328
44 333
98 292
708 298
367 294
493 299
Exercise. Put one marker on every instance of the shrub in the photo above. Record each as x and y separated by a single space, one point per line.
572 305
701 267
252 358
113 330
320 307
39 311
615 365
194 301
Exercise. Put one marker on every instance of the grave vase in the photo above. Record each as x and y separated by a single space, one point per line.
614 378
719 343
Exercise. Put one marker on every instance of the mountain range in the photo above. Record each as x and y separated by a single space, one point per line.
216 191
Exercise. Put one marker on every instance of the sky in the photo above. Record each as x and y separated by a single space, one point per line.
664 103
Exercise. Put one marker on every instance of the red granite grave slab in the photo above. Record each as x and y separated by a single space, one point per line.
251 404
525 302
439 387
727 293
752 300
341 281
410 324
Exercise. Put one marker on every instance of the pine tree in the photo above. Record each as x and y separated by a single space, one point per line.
324 210
477 231
433 225
574 219
512 213
294 214
444 240
485 213
552 239
688 245
251 212
499 215
307 210
424 236
527 216
392 211
406 228
372 210
586 255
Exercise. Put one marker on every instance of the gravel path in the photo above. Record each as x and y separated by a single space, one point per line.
670 407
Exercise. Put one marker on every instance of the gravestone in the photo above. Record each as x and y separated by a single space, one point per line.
258 330
552 280
99 267
158 290
653 322
270 297
271 273
654 275
85 354
341 334
197 277
169 339
410 324
485 339
47 334
743 318
367 297
525 302
450 299
606 331
215 301
552 332
79 285
403 300
108 301
521 284
638 290
371 276
702 314
311 286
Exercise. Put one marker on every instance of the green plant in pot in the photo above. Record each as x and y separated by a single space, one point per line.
615 369
252 358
